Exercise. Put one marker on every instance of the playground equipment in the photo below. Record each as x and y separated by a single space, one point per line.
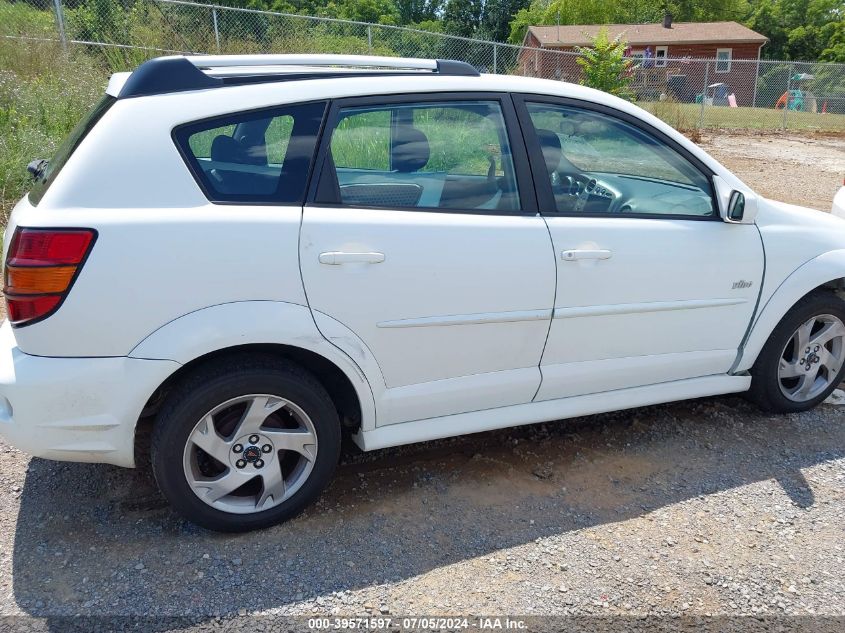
799 99
715 94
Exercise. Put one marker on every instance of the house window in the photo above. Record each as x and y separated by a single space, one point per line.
723 60
660 55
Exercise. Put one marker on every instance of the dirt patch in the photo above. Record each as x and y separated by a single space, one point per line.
796 168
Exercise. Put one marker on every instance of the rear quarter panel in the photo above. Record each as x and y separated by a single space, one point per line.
162 249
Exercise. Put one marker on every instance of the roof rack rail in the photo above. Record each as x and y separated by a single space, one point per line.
164 75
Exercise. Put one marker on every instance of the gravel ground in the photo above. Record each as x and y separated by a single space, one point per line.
694 508
703 508
800 169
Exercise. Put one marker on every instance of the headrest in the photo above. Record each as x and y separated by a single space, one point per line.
410 150
226 150
552 152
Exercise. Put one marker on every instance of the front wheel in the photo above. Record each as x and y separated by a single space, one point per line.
804 359
245 445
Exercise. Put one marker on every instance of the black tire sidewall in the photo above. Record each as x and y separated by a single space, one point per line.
765 387
196 398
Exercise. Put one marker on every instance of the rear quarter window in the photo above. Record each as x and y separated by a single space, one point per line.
259 157
68 147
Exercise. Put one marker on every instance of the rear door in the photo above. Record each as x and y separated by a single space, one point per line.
423 239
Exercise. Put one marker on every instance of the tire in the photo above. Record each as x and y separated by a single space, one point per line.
243 412
769 389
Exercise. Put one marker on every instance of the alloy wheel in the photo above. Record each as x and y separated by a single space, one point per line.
811 360
250 453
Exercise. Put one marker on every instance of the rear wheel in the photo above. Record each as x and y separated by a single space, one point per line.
804 359
245 445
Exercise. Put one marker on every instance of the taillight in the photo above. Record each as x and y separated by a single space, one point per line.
40 268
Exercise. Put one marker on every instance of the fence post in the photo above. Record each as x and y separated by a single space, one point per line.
704 95
60 23
756 81
216 29
495 60
370 38
788 84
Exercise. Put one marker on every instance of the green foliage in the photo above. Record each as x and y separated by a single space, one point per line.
43 94
462 17
418 11
496 18
605 65
374 11
801 29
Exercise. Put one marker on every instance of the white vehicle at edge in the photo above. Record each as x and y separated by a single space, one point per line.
248 255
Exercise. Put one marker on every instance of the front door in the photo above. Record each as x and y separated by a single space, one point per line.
651 286
424 241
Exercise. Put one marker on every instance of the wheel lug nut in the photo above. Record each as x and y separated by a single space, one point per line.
259 463
266 448
237 448
253 439
240 463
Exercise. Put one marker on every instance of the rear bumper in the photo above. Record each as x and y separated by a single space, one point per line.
74 409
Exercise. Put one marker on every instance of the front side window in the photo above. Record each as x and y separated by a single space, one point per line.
451 155
600 164
723 60
660 54
254 157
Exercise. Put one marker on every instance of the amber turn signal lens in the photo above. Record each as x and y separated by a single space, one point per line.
38 281
41 264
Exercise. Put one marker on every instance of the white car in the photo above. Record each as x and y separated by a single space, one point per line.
248 256
839 202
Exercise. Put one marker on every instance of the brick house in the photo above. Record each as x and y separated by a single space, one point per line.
665 55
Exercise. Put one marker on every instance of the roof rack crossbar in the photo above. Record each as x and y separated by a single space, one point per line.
176 74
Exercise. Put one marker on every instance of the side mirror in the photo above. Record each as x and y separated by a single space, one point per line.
735 207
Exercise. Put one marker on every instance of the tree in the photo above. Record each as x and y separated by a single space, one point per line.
801 29
496 18
605 65
462 17
375 11
417 11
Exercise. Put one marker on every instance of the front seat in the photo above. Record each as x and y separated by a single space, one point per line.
552 152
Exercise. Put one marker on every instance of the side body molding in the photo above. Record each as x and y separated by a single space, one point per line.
252 322
812 274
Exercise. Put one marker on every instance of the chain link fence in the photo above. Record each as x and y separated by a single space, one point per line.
687 93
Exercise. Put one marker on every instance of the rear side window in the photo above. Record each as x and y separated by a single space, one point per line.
67 148
253 157
450 155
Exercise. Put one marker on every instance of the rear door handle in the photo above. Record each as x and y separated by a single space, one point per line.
575 255
335 258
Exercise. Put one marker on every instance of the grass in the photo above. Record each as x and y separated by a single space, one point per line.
460 140
685 116
43 94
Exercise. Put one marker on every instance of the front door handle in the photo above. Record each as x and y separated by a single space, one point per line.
575 255
335 258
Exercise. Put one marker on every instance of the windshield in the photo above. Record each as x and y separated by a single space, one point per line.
66 149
